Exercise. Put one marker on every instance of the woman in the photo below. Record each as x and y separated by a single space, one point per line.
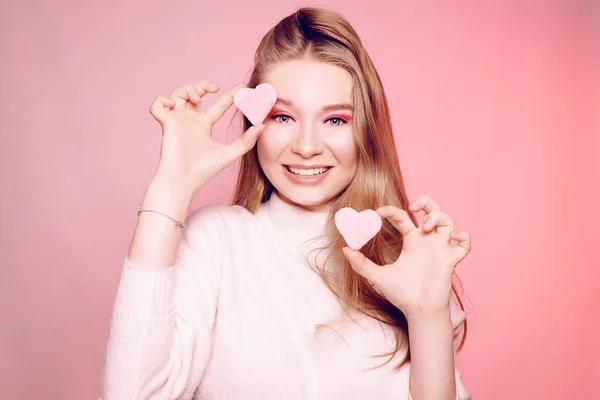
262 299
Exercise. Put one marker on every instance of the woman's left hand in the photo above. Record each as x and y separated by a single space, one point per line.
421 279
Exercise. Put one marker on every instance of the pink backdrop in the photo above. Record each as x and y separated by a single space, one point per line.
492 105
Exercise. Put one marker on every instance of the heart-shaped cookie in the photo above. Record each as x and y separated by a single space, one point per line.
357 228
256 103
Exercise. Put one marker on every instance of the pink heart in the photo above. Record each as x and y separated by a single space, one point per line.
256 103
357 228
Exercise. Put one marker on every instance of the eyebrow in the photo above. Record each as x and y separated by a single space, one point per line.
330 107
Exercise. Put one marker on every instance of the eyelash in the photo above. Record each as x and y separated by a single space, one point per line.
344 121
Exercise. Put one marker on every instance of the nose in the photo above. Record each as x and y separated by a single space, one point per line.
308 143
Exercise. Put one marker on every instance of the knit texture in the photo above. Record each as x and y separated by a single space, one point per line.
236 318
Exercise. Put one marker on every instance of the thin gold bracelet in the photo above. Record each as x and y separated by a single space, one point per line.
181 224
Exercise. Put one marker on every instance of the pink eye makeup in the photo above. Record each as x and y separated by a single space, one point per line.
344 117
277 112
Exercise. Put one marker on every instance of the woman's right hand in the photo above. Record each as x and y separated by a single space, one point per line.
188 152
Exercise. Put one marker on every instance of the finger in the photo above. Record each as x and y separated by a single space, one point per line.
167 102
201 87
464 244
194 98
160 106
206 86
193 94
362 265
181 95
425 203
438 221
245 142
399 217
223 103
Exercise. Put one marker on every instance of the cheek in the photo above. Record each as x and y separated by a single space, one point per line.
268 147
344 150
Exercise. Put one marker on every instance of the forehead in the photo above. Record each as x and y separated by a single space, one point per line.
311 84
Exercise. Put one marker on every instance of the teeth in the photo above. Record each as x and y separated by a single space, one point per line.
308 172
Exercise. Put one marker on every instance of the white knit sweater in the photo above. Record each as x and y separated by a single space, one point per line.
235 318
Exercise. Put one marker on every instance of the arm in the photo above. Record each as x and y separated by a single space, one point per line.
155 239
432 358
165 305
405 282
433 342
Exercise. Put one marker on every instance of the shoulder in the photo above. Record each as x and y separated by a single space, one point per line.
214 230
214 219
216 211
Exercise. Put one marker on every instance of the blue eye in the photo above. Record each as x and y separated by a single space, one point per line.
342 121
280 115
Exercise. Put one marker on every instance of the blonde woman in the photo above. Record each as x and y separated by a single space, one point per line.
262 299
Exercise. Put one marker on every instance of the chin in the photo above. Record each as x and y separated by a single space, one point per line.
308 197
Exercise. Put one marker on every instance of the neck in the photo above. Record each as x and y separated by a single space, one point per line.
295 223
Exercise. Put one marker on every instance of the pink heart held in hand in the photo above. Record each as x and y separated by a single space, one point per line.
256 103
357 228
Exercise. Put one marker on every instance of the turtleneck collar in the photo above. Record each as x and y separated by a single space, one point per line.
295 225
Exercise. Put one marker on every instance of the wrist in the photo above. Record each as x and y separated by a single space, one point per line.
169 196
425 324
175 185
433 315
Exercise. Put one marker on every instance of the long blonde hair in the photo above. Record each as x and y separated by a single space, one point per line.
325 36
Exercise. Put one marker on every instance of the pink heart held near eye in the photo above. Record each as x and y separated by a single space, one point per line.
357 228
256 103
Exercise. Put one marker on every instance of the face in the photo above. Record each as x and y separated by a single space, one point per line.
307 148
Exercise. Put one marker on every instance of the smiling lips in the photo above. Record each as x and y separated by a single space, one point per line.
307 175
307 170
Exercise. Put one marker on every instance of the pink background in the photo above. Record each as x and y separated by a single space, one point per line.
492 106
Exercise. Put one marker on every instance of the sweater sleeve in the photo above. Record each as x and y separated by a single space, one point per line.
162 320
458 316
